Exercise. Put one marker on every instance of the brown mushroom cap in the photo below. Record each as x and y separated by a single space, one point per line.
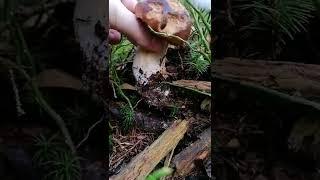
166 18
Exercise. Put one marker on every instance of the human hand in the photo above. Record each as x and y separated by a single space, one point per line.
122 19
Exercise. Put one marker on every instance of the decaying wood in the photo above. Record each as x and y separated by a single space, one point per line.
141 165
184 161
293 78
203 87
199 85
293 81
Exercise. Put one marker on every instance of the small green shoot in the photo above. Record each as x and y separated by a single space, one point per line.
198 63
64 167
160 173
56 159
120 55
45 148
127 114
174 112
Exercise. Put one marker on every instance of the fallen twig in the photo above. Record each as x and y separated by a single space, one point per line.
88 133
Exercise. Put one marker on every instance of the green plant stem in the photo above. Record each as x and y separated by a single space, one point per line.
203 39
124 96
117 79
202 35
54 115
205 55
208 27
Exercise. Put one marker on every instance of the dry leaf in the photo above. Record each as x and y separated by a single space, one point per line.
128 87
59 79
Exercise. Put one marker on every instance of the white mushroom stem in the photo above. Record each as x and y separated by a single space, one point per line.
147 63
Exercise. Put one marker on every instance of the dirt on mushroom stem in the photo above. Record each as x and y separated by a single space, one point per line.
155 93
170 20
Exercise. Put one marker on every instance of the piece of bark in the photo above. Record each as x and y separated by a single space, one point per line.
142 165
202 87
199 85
295 79
200 149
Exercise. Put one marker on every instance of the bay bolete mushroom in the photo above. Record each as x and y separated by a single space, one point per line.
167 19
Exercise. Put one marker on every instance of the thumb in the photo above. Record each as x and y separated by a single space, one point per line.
123 20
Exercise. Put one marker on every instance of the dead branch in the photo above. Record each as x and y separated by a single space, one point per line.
89 131
295 82
184 161
141 165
